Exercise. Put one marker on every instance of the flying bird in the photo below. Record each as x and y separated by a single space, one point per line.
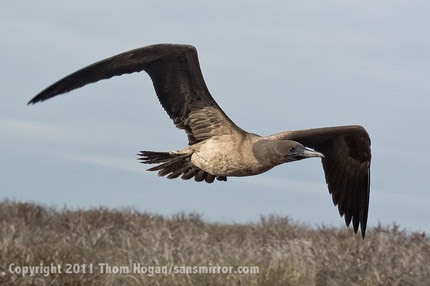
217 147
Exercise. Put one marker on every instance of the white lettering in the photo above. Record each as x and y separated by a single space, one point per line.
106 268
41 269
149 270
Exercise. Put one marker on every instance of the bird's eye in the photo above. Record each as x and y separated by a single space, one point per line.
293 149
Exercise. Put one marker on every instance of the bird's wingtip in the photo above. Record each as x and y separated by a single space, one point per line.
34 100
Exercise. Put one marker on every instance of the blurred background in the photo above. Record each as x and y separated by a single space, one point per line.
315 64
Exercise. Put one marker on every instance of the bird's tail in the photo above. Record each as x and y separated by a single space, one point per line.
174 165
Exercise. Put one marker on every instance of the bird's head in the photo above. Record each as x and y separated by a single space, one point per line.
294 151
282 151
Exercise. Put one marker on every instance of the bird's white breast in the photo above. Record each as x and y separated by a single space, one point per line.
226 156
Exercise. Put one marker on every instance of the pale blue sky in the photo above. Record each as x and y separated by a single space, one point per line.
271 66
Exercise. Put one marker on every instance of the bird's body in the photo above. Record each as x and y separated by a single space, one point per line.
217 147
230 155
226 156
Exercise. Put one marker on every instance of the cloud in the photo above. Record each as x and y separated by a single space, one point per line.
111 162
20 128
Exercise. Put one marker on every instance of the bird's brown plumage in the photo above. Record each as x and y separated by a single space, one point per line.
181 90
346 166
178 82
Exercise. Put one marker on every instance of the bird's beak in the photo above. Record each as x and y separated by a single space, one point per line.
308 152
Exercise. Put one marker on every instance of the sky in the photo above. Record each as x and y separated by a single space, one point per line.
271 66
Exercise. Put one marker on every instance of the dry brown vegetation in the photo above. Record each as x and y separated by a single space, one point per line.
284 253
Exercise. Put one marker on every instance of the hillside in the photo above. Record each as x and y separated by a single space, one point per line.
42 245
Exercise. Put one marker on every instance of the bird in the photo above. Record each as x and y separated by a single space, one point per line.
218 148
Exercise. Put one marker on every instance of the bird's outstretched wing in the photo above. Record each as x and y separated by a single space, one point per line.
346 167
178 82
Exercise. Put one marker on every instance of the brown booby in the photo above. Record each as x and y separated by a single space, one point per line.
217 147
